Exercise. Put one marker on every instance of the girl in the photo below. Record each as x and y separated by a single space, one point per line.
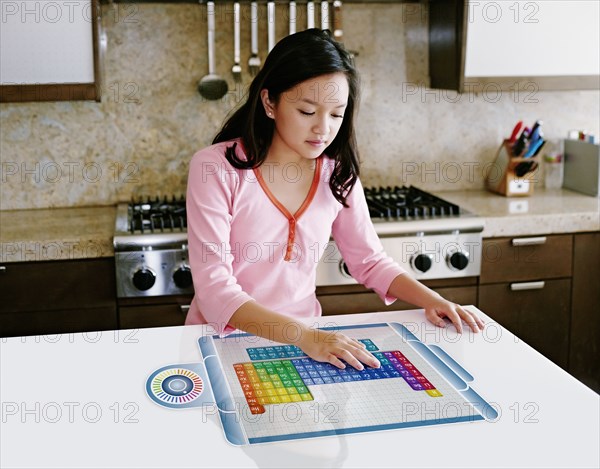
280 178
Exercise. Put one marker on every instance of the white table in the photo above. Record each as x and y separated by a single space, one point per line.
78 400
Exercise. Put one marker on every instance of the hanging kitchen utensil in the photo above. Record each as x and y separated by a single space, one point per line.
270 25
211 86
324 15
310 15
254 60
338 33
236 70
292 17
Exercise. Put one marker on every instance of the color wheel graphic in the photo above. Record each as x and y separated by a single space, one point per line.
176 386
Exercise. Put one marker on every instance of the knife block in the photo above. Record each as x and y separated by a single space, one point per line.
501 177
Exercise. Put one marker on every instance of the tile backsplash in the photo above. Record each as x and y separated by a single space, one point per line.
151 120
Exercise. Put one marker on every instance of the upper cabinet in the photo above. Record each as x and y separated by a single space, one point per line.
511 45
49 51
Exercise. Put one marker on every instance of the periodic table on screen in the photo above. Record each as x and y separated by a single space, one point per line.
273 392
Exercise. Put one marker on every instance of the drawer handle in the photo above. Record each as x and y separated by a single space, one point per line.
528 241
527 286
184 308
2 269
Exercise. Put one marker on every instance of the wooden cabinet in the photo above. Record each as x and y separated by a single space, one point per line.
539 316
526 258
50 50
584 350
525 285
57 297
531 46
162 311
350 299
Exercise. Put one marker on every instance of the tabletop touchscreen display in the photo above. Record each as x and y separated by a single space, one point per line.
273 392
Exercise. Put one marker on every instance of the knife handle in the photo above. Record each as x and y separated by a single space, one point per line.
515 132
534 148
518 147
535 127
535 134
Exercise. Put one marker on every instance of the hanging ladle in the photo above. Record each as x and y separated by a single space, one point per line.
211 86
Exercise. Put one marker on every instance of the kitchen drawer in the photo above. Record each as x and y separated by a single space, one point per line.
25 323
366 302
57 285
539 316
526 258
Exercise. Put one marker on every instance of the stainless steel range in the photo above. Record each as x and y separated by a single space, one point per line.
151 249
428 236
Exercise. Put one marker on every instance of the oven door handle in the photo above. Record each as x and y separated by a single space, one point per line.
184 309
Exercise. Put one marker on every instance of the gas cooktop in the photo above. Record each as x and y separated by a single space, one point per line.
407 202
393 210
426 234
405 210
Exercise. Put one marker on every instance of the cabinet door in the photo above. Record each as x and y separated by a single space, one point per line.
532 39
49 50
584 356
57 285
24 323
539 316
531 46
57 297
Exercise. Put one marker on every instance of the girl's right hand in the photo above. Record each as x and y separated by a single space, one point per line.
333 347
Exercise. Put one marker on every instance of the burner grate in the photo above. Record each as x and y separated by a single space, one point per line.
407 202
158 216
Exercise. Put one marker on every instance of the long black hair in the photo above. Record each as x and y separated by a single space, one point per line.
293 60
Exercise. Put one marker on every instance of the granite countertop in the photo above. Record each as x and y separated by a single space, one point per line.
56 234
544 212
87 232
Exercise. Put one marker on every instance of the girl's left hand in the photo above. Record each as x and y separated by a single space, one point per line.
441 308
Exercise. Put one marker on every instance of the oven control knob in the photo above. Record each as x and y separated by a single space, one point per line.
183 277
144 279
458 260
421 262
344 269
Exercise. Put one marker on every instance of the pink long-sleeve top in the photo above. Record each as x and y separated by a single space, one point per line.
244 245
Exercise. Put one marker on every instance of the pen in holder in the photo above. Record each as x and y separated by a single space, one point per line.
512 175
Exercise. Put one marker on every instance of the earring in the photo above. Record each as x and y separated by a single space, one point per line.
270 114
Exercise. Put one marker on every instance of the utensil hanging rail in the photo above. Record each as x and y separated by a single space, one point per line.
279 2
